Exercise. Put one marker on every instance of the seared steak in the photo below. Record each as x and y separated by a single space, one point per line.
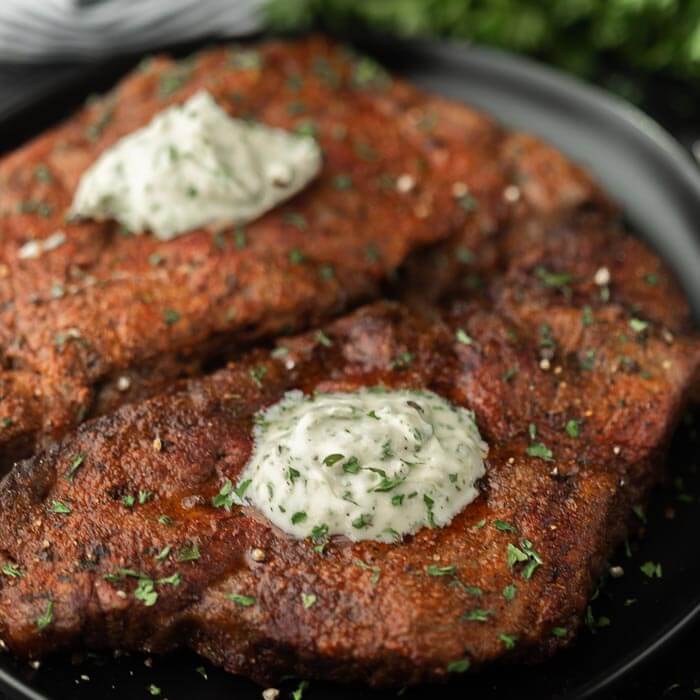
124 505
105 318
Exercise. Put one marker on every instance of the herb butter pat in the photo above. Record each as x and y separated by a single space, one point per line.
373 464
193 165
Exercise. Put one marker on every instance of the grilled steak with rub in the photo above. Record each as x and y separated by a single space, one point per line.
89 546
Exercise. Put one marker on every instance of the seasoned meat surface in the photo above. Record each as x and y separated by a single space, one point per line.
127 499
103 317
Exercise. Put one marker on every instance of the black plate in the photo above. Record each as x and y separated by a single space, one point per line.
659 187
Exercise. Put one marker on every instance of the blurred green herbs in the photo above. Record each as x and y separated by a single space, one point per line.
634 47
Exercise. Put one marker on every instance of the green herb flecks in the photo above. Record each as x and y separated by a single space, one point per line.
509 640
375 570
74 466
552 279
257 374
463 337
11 571
540 450
171 316
459 666
434 570
189 553
46 618
245 601
59 507
308 600
477 615
573 428
651 569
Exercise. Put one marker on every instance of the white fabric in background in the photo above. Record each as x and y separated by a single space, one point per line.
36 30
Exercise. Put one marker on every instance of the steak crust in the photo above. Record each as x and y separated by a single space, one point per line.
106 318
379 616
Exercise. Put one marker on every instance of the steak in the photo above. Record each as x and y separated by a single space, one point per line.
124 504
91 317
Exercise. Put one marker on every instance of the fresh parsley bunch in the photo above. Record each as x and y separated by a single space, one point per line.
626 45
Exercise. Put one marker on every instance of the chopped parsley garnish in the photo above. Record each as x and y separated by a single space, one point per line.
129 500
463 337
510 374
508 640
31 206
467 202
559 632
245 601
173 79
42 173
652 279
11 570
397 500
539 449
327 272
352 466
299 692
434 570
145 496
503 526
342 182
189 553
228 495
296 256
638 326
299 517
389 483
172 580
257 374
239 237
74 466
59 507
429 503
46 618
552 279
319 533
573 428
361 522
145 592
308 600
477 615
165 520
509 592
323 339
171 316
523 554
651 569
587 316
295 219
163 553
587 362
459 666
153 689
376 571
403 359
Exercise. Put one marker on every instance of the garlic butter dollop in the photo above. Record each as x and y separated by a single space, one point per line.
372 464
194 165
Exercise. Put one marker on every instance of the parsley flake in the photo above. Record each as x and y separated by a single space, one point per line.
46 618
245 601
